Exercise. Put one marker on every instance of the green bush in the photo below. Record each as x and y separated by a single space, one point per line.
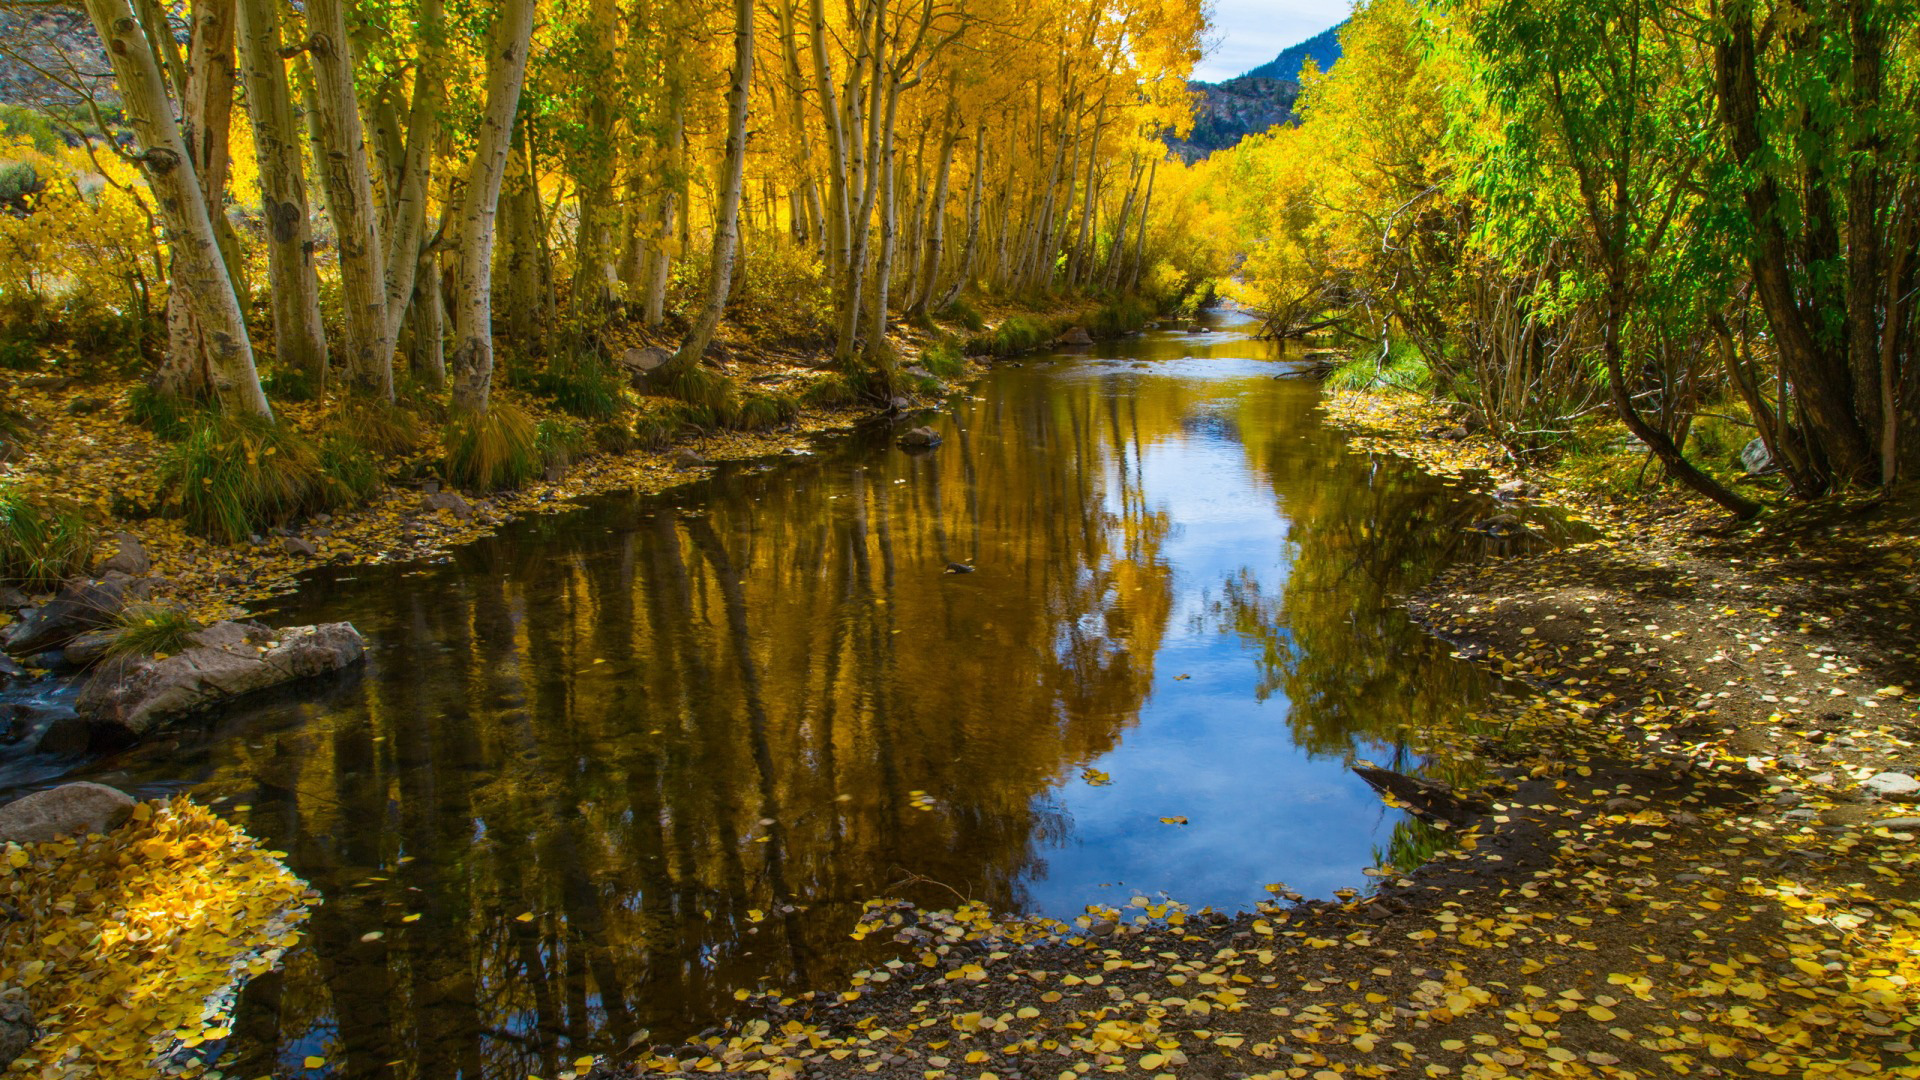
350 473
151 630
169 418
493 450
831 392
766 410
236 473
963 314
1015 335
19 182
20 121
42 541
581 382
560 442
943 358
701 387
612 438
1121 317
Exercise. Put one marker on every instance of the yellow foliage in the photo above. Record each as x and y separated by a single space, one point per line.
89 232
135 941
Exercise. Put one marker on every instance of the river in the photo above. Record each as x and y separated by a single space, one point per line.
608 767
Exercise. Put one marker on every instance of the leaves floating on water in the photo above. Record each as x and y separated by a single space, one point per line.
1095 778
1173 821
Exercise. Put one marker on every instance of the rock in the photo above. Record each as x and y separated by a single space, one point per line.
922 438
131 558
1076 336
958 568
82 605
85 406
67 736
1897 823
900 404
687 459
917 371
1499 525
17 1030
1455 433
639 363
12 599
1516 489
1891 783
293 545
451 502
1430 799
68 810
227 660
1197 328
9 669
1755 459
89 648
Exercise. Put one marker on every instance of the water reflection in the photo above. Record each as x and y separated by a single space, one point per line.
606 769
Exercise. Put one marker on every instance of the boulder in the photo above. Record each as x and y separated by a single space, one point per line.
1892 785
226 660
89 648
639 363
900 403
67 736
451 502
1076 336
83 605
687 459
68 810
1756 460
130 558
12 599
920 438
293 545
1197 327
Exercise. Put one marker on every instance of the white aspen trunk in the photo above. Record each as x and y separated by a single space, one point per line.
293 287
407 216
936 228
970 248
915 217
363 295
471 365
1140 241
595 277
836 237
659 257
726 230
199 271
1089 199
427 317
865 168
879 352
1108 274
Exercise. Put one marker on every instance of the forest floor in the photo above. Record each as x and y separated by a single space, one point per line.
1694 855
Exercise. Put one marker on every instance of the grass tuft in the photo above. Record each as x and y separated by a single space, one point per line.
233 474
491 451
169 418
943 358
766 410
151 630
963 314
582 383
701 387
42 541
382 427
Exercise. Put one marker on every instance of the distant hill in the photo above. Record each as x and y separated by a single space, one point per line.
1323 49
1226 112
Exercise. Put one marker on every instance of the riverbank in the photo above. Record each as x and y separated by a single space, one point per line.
1694 856
87 450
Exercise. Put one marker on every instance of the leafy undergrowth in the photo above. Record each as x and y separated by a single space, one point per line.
132 945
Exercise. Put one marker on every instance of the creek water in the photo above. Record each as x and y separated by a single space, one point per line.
610 766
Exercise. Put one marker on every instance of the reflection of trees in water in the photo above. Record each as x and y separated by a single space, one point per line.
685 743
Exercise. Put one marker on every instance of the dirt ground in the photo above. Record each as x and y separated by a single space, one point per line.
1695 856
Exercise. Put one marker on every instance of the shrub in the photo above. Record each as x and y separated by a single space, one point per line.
963 314
349 471
42 541
831 392
611 438
701 387
289 384
1121 317
560 442
1015 335
655 429
169 418
581 382
382 427
19 183
235 473
492 450
943 358
151 630
766 410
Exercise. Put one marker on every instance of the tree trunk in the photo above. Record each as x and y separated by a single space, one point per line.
659 257
199 271
969 249
293 287
472 361
1140 238
937 219
726 230
407 216
363 293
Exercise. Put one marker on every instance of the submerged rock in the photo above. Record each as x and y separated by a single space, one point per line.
920 438
68 810
227 660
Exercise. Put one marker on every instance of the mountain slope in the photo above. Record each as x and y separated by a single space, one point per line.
1323 49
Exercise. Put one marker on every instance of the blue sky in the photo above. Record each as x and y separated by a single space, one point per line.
1248 33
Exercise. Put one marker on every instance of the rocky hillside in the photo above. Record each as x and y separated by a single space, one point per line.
1323 49
1226 112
